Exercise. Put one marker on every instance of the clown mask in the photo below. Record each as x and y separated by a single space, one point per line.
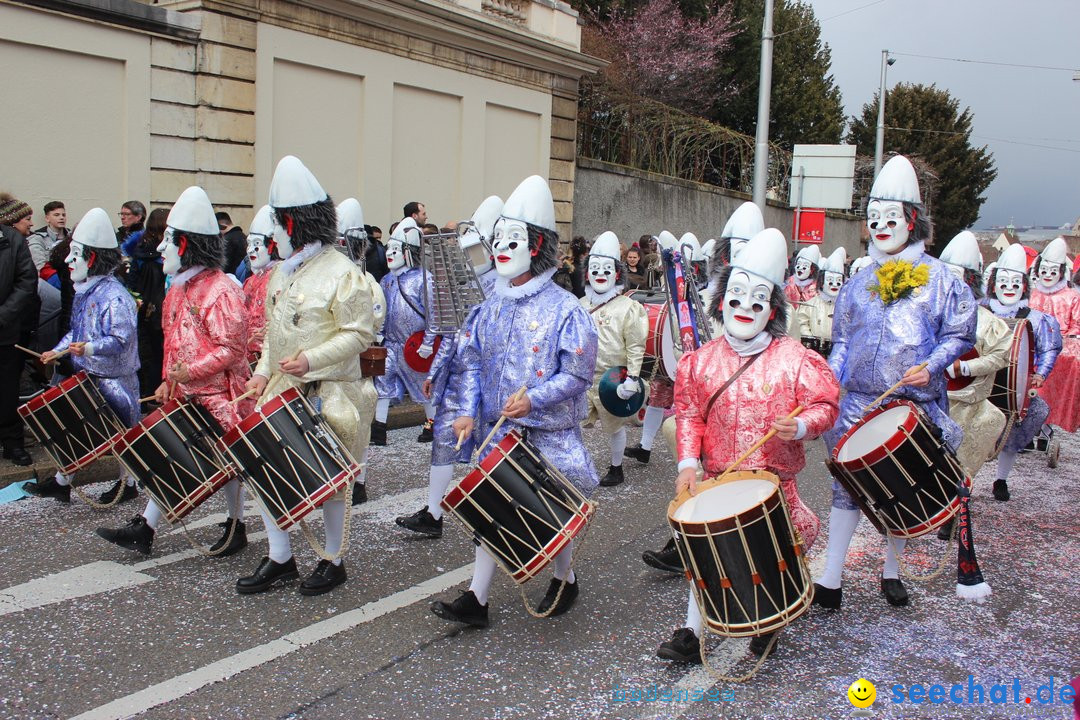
257 250
170 253
1049 274
395 255
888 227
1008 286
602 277
283 240
831 284
511 248
746 305
803 267
76 262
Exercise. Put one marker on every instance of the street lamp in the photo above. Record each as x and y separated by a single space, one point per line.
761 135
879 145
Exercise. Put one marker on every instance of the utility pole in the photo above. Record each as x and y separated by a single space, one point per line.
761 136
879 144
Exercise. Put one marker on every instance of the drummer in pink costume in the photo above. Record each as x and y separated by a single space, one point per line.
733 390
263 256
205 330
1051 294
802 285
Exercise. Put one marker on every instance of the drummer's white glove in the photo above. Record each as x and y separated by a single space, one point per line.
964 369
379 338
801 432
627 389
425 351
88 349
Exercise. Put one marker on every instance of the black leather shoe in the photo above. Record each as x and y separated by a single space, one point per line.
378 434
638 453
1001 490
18 456
324 578
359 494
828 597
894 591
566 600
128 492
235 544
267 575
683 646
49 488
758 643
427 433
136 535
666 559
614 476
423 522
466 609
945 531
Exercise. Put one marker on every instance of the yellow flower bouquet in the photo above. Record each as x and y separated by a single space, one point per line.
897 278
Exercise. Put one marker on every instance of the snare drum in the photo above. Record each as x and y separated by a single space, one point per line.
1012 382
519 507
175 452
72 422
742 554
899 470
292 460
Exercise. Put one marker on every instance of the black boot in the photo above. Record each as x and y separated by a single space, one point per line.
638 453
325 578
427 433
894 591
466 609
359 494
614 476
378 433
1001 490
121 486
566 600
945 531
49 488
829 598
758 643
683 646
136 535
423 522
18 455
266 575
236 544
666 559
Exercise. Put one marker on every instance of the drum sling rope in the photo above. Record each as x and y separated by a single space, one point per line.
737 678
905 569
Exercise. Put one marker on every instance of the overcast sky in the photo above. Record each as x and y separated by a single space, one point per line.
1035 185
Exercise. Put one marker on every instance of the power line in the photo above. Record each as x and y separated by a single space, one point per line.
984 137
831 17
985 62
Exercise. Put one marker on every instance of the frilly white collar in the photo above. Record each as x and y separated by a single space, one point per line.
1059 285
505 290
753 346
803 283
596 298
911 253
184 275
298 258
85 285
1004 310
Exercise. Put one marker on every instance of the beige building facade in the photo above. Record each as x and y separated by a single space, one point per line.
431 100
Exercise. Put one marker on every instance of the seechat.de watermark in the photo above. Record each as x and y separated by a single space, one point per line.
976 693
652 693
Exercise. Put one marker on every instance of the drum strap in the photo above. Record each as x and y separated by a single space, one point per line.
1022 313
727 384
401 292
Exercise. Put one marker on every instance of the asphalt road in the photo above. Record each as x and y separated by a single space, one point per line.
88 630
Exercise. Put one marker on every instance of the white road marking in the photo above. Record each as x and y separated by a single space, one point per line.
187 683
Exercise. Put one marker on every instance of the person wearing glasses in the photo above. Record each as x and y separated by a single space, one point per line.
132 220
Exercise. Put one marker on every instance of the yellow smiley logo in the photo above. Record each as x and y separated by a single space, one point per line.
861 693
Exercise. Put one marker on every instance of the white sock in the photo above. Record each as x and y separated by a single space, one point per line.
129 479
382 409
1006 460
562 564
429 411
333 515
440 478
483 571
618 445
842 524
893 546
280 549
234 499
152 515
693 615
63 480
654 418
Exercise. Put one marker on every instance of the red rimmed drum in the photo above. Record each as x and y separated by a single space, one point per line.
519 507
895 465
175 453
292 460
661 351
1012 383
72 422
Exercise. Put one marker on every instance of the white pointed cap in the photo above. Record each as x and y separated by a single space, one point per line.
744 223
666 240
766 255
263 222
486 214
350 215
707 248
811 253
294 185
690 239
1013 258
408 232
193 212
835 262
897 181
531 203
1055 251
963 251
95 230
607 245
859 263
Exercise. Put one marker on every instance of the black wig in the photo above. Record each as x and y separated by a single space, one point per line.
546 245
201 250
106 260
922 226
974 281
777 325
307 224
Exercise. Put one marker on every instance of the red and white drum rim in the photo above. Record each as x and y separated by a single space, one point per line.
256 417
895 440
55 392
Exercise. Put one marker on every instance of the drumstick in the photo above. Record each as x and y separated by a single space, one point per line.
28 351
502 418
54 358
890 391
753 448
148 398
246 395
460 439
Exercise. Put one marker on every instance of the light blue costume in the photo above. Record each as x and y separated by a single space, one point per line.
402 320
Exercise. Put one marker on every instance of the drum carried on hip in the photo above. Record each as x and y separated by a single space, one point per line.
519 507
73 422
293 462
175 453
895 465
1012 383
661 350
742 554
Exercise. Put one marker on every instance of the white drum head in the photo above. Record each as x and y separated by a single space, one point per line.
872 434
1022 353
724 501
669 354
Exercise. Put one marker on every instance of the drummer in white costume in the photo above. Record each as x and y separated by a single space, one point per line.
816 314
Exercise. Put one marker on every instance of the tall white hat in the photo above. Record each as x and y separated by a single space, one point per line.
607 245
859 263
193 212
707 248
766 255
897 181
963 251
835 261
294 185
350 215
691 240
407 232
666 240
1013 258
531 203
744 223
486 214
95 230
263 222
1055 251
811 253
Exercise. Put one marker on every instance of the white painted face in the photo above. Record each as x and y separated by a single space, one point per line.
511 247
1049 274
888 226
802 268
285 247
832 282
746 305
258 253
77 263
170 253
395 255
601 274
1008 286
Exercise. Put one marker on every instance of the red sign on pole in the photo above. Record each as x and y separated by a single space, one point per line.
809 226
